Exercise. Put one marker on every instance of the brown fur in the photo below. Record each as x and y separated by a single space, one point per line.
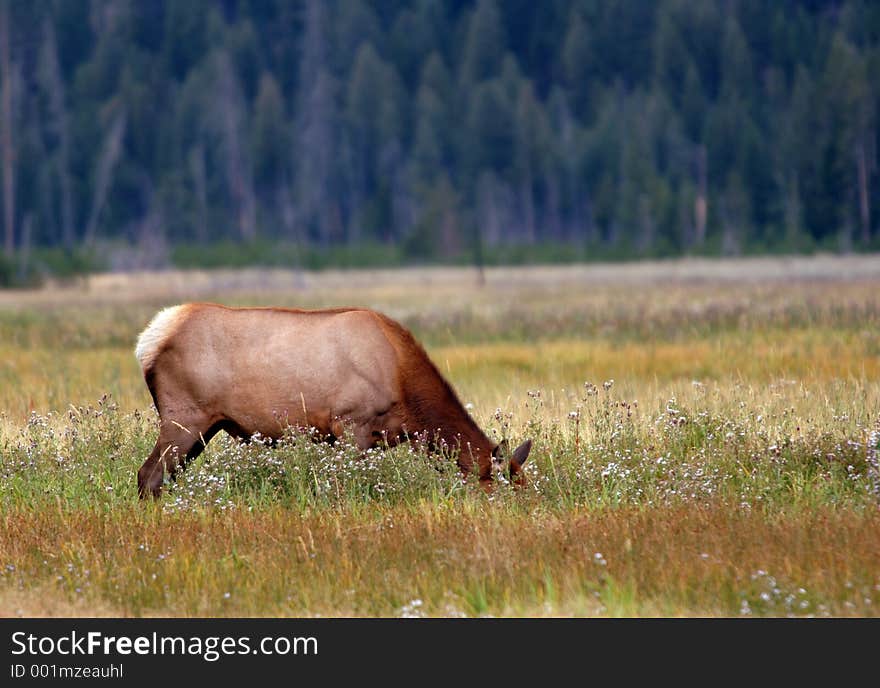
248 370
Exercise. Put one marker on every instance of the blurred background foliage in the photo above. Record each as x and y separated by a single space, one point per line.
200 133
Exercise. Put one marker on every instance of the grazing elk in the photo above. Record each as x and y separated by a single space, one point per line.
250 370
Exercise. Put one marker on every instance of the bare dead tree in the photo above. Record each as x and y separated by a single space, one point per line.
864 162
701 202
110 153
24 252
734 212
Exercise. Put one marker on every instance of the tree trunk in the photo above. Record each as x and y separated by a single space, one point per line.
103 177
479 261
701 204
647 227
24 252
864 196
527 196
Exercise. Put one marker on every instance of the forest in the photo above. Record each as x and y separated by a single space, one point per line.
143 134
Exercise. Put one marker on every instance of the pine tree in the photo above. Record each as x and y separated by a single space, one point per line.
485 45
53 84
8 78
531 140
269 135
372 121
578 64
315 140
655 127
853 117
737 76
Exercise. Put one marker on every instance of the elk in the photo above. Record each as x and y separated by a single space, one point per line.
260 370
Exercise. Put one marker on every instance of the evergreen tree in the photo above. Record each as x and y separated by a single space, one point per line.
853 119
270 140
578 63
485 45
373 123
641 128
315 145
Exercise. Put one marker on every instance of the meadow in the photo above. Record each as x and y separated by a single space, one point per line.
706 438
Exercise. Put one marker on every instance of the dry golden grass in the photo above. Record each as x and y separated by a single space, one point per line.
488 374
469 560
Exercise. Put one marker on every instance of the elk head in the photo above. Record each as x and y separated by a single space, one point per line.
511 465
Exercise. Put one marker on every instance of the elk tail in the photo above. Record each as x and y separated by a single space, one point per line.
150 341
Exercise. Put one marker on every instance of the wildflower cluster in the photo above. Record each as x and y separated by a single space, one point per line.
299 471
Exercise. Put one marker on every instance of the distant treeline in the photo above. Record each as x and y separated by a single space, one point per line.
143 132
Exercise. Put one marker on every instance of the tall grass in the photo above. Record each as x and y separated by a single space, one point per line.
698 450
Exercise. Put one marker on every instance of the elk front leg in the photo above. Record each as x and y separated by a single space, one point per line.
178 444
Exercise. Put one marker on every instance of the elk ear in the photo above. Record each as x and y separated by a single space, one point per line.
502 450
521 454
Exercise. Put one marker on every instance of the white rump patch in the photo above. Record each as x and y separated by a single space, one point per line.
160 328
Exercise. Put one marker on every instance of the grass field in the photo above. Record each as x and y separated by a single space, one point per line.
706 443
